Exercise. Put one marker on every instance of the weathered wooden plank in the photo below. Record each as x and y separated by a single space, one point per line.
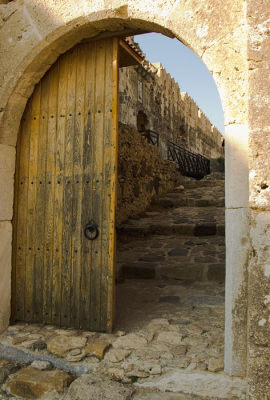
110 170
67 289
22 201
77 184
31 215
40 203
59 191
113 183
88 166
49 196
98 137
107 172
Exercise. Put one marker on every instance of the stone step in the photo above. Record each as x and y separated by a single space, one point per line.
183 271
145 230
174 200
191 197
197 221
162 257
193 183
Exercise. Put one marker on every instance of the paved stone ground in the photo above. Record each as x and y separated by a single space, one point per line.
161 325
170 313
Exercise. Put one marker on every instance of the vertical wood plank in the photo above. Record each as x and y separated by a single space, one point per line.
31 214
49 196
22 225
98 134
59 191
78 178
107 165
111 183
88 165
67 289
40 202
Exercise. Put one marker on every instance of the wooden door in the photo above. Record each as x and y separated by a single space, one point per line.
66 177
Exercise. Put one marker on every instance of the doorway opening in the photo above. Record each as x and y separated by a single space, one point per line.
170 219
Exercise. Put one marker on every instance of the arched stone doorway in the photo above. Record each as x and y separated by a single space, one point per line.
55 28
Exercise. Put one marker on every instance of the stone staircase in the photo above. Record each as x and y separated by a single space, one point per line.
181 235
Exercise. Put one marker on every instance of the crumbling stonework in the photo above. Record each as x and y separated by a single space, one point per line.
232 39
150 90
142 173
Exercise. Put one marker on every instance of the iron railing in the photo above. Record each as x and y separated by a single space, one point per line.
189 164
152 137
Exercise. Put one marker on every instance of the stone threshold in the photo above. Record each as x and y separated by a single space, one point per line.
205 385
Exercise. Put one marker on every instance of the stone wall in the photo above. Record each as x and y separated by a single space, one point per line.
142 173
259 190
150 90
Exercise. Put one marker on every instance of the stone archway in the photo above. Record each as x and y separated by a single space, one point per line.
34 37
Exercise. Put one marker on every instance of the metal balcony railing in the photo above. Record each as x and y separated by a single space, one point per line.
152 137
189 163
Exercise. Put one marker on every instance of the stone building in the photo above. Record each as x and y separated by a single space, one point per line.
232 38
150 99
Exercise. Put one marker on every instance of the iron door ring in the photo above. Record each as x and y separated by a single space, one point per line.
91 231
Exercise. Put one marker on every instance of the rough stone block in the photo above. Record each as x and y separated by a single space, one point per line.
7 170
6 198
31 383
61 344
93 387
7 158
259 179
97 348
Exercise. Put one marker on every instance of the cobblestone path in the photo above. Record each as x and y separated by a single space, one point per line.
169 315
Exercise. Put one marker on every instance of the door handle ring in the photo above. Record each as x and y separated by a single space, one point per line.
91 230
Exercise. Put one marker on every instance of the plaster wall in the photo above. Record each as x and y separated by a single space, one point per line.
232 38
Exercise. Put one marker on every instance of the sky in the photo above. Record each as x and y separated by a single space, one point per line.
188 70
